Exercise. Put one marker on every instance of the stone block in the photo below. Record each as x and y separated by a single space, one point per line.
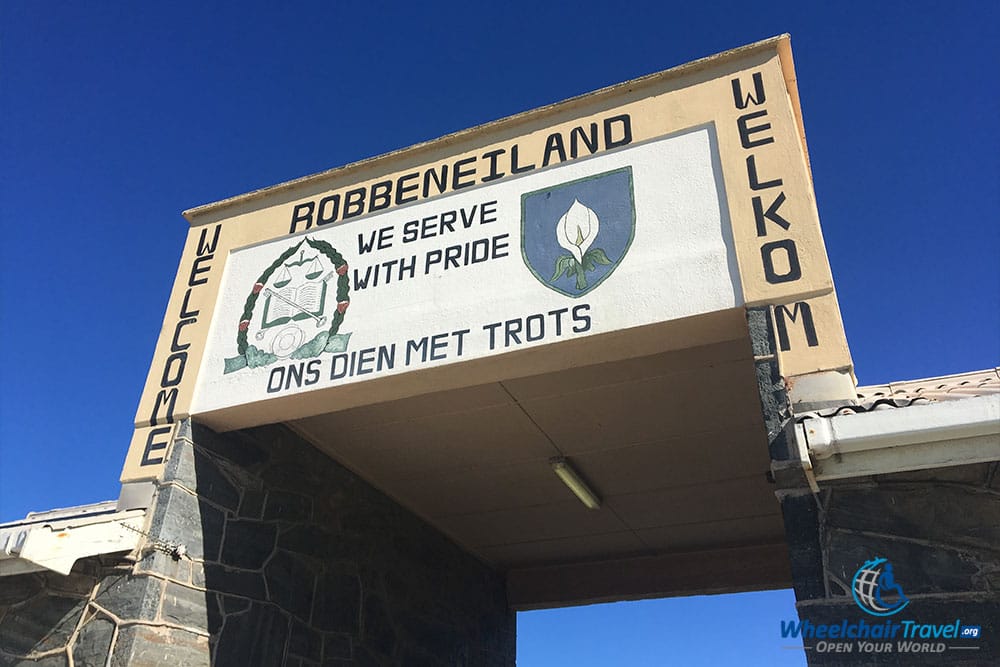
286 506
761 336
305 642
377 630
801 517
180 464
182 518
130 597
235 582
215 616
309 540
197 471
337 604
290 583
972 475
919 568
45 622
234 605
144 646
184 606
365 516
94 642
252 504
948 514
292 477
434 638
183 430
197 574
81 581
415 658
248 543
288 446
57 660
497 633
258 636
20 587
240 451
363 657
166 565
337 647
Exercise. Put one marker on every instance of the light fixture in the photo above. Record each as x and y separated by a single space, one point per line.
571 479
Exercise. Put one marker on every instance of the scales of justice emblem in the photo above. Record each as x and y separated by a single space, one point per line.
295 308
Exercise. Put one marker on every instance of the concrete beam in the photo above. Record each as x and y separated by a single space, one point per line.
733 570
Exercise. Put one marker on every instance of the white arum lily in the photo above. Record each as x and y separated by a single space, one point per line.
577 229
576 232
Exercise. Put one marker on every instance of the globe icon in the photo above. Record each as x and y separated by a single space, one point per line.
875 589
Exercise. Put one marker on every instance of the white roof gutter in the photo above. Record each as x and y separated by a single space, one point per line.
893 440
56 540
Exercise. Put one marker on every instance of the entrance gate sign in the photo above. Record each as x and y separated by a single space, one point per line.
529 261
659 200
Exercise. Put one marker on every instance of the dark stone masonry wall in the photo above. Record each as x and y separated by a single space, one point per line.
288 559
51 617
941 531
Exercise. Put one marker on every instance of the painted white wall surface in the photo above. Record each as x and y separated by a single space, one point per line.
680 263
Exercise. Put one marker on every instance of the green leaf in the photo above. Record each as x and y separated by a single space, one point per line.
598 255
313 348
235 364
337 343
257 358
561 267
588 263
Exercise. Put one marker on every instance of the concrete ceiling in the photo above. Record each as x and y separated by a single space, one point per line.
673 443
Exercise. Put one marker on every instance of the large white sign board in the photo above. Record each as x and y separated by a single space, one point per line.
619 240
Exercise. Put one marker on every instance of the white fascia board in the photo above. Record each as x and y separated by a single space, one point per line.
57 545
912 438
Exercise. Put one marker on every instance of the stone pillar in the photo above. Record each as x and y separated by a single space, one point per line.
939 528
263 551
941 531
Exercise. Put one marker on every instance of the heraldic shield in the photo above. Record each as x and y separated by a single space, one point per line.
574 235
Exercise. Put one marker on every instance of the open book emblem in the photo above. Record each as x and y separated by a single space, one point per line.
295 308
298 296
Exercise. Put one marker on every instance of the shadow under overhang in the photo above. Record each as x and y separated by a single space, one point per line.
663 422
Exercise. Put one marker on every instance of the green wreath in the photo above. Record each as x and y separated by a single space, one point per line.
325 341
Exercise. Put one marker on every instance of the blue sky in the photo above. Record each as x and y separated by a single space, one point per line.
114 117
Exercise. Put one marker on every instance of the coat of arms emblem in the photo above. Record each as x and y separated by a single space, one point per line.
574 235
295 308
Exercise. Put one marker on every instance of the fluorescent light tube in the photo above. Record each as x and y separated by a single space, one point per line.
571 479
